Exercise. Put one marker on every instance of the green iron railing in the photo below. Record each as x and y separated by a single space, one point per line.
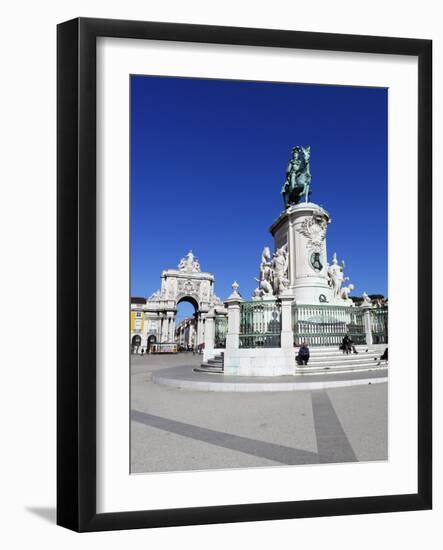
379 325
260 324
220 329
355 327
327 325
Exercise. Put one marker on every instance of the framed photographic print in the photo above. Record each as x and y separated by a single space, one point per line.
244 274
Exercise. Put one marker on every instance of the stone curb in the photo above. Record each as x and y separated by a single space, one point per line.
201 385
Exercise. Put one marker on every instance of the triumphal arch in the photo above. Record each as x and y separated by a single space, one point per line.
157 316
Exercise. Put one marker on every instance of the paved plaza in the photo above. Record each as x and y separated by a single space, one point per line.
179 429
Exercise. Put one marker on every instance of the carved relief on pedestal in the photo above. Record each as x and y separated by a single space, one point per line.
314 229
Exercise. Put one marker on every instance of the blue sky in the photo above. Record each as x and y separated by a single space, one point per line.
208 160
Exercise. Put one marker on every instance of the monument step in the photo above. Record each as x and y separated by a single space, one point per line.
209 366
344 358
215 361
208 370
342 368
336 348
339 353
335 351
326 364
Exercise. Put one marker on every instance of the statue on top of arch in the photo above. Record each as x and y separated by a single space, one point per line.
189 263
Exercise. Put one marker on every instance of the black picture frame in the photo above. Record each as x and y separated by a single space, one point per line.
76 266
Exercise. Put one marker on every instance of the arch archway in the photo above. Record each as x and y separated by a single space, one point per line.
186 323
190 300
136 342
151 341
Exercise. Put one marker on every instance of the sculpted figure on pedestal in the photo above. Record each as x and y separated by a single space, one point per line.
366 300
336 275
280 270
265 281
273 278
345 292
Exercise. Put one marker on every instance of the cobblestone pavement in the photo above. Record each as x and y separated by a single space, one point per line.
179 430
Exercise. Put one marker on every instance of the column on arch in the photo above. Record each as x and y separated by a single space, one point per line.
199 327
171 317
164 328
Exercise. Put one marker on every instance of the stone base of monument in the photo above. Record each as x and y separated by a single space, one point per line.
186 378
281 362
259 362
301 229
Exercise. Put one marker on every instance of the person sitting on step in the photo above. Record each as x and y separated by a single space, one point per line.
383 357
347 345
303 354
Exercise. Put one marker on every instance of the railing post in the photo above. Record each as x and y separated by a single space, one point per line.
208 352
368 325
233 306
287 336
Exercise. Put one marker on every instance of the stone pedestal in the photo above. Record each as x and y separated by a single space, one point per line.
302 228
368 325
287 336
233 334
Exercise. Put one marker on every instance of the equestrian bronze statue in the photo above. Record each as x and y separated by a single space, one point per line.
298 177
